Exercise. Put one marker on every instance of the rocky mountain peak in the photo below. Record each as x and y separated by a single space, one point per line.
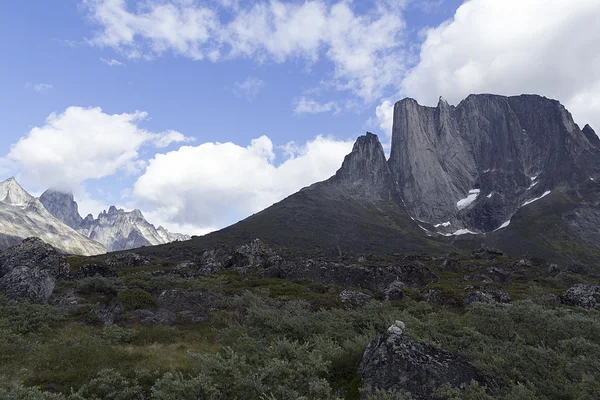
591 136
12 193
112 210
366 168
62 206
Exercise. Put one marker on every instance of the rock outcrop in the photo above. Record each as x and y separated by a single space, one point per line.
395 362
29 270
581 295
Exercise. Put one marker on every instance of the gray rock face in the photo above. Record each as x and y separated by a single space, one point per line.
35 285
581 295
34 253
29 270
475 164
91 270
395 362
353 299
62 206
591 136
488 295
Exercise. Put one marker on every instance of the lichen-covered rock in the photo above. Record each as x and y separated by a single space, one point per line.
34 253
487 295
184 300
395 362
31 284
395 291
487 253
352 299
91 270
581 295
376 279
126 260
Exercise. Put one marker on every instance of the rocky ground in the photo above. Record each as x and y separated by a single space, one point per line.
253 322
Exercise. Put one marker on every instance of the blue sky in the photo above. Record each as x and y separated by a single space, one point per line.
272 72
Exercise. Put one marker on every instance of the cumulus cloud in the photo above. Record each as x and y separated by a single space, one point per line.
39 87
112 62
82 144
249 88
548 47
365 49
230 182
310 106
385 116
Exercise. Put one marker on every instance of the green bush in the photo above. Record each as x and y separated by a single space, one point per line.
136 299
97 284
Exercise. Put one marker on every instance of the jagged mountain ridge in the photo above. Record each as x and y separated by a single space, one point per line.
513 172
359 209
23 216
116 229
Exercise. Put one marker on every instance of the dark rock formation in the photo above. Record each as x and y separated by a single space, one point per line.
581 295
353 299
62 206
29 270
497 151
395 362
91 270
34 253
125 260
395 291
376 279
487 295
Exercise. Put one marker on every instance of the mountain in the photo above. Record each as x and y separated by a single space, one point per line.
359 209
23 216
515 173
475 165
116 229
62 206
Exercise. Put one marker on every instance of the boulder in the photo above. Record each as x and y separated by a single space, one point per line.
34 253
352 299
35 285
487 295
178 300
127 260
393 361
91 270
395 291
581 295
487 253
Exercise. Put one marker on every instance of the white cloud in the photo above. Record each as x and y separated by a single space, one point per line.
365 49
112 62
385 116
214 184
310 106
548 47
248 89
82 144
39 87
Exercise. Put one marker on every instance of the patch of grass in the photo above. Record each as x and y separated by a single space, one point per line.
136 299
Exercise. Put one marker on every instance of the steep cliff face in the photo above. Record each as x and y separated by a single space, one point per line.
471 167
62 206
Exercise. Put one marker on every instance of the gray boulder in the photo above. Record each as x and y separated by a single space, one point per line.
31 284
127 260
91 270
395 291
29 270
487 295
34 253
393 361
352 299
581 295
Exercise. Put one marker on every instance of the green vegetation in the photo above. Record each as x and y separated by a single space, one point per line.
274 339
